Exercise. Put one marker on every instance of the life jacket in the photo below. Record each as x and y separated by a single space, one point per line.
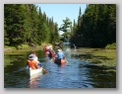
51 53
32 64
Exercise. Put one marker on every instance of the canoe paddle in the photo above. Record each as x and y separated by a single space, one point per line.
44 70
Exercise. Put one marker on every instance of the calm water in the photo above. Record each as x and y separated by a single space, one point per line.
75 74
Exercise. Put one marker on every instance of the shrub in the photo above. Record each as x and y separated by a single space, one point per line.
111 46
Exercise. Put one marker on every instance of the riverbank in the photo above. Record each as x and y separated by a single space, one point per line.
14 51
22 49
97 56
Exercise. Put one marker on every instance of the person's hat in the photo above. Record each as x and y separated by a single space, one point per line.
31 57
59 50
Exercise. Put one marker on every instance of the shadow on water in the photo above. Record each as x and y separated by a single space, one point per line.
75 74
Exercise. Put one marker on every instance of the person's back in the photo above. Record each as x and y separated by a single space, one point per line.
53 53
60 55
32 64
34 56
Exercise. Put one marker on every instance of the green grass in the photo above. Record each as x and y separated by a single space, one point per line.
22 49
111 46
13 51
98 56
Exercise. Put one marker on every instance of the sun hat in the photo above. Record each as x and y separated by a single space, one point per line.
31 57
59 50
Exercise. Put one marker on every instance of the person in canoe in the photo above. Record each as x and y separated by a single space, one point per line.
60 57
36 58
52 53
46 50
32 63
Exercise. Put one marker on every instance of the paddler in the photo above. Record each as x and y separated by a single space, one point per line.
31 63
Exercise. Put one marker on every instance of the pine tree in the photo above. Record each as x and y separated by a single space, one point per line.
14 22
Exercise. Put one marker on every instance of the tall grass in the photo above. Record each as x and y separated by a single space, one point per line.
98 56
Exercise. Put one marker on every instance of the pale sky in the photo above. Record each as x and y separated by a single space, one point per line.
59 12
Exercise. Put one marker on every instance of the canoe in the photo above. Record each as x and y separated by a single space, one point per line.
60 61
32 72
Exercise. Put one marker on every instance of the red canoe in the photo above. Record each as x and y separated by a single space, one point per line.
60 61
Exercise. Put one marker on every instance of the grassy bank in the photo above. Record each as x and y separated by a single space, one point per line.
98 56
13 51
22 49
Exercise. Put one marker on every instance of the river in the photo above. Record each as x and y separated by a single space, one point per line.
76 73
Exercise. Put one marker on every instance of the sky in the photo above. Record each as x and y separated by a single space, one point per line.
59 12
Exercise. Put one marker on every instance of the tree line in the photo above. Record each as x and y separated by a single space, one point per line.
26 24
96 27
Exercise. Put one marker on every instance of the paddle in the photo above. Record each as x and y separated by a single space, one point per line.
44 70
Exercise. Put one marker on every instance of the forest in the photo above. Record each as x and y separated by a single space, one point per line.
96 28
26 24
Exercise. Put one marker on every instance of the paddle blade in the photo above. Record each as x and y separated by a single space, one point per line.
45 71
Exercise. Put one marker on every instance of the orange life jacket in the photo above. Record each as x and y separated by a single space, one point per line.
32 64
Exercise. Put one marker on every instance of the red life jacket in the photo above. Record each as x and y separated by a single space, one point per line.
52 53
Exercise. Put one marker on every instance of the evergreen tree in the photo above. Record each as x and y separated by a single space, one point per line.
66 25
98 26
6 39
14 22
24 23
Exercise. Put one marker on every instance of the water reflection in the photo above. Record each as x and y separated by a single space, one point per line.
34 81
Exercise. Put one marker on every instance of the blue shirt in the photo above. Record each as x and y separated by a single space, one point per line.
60 55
